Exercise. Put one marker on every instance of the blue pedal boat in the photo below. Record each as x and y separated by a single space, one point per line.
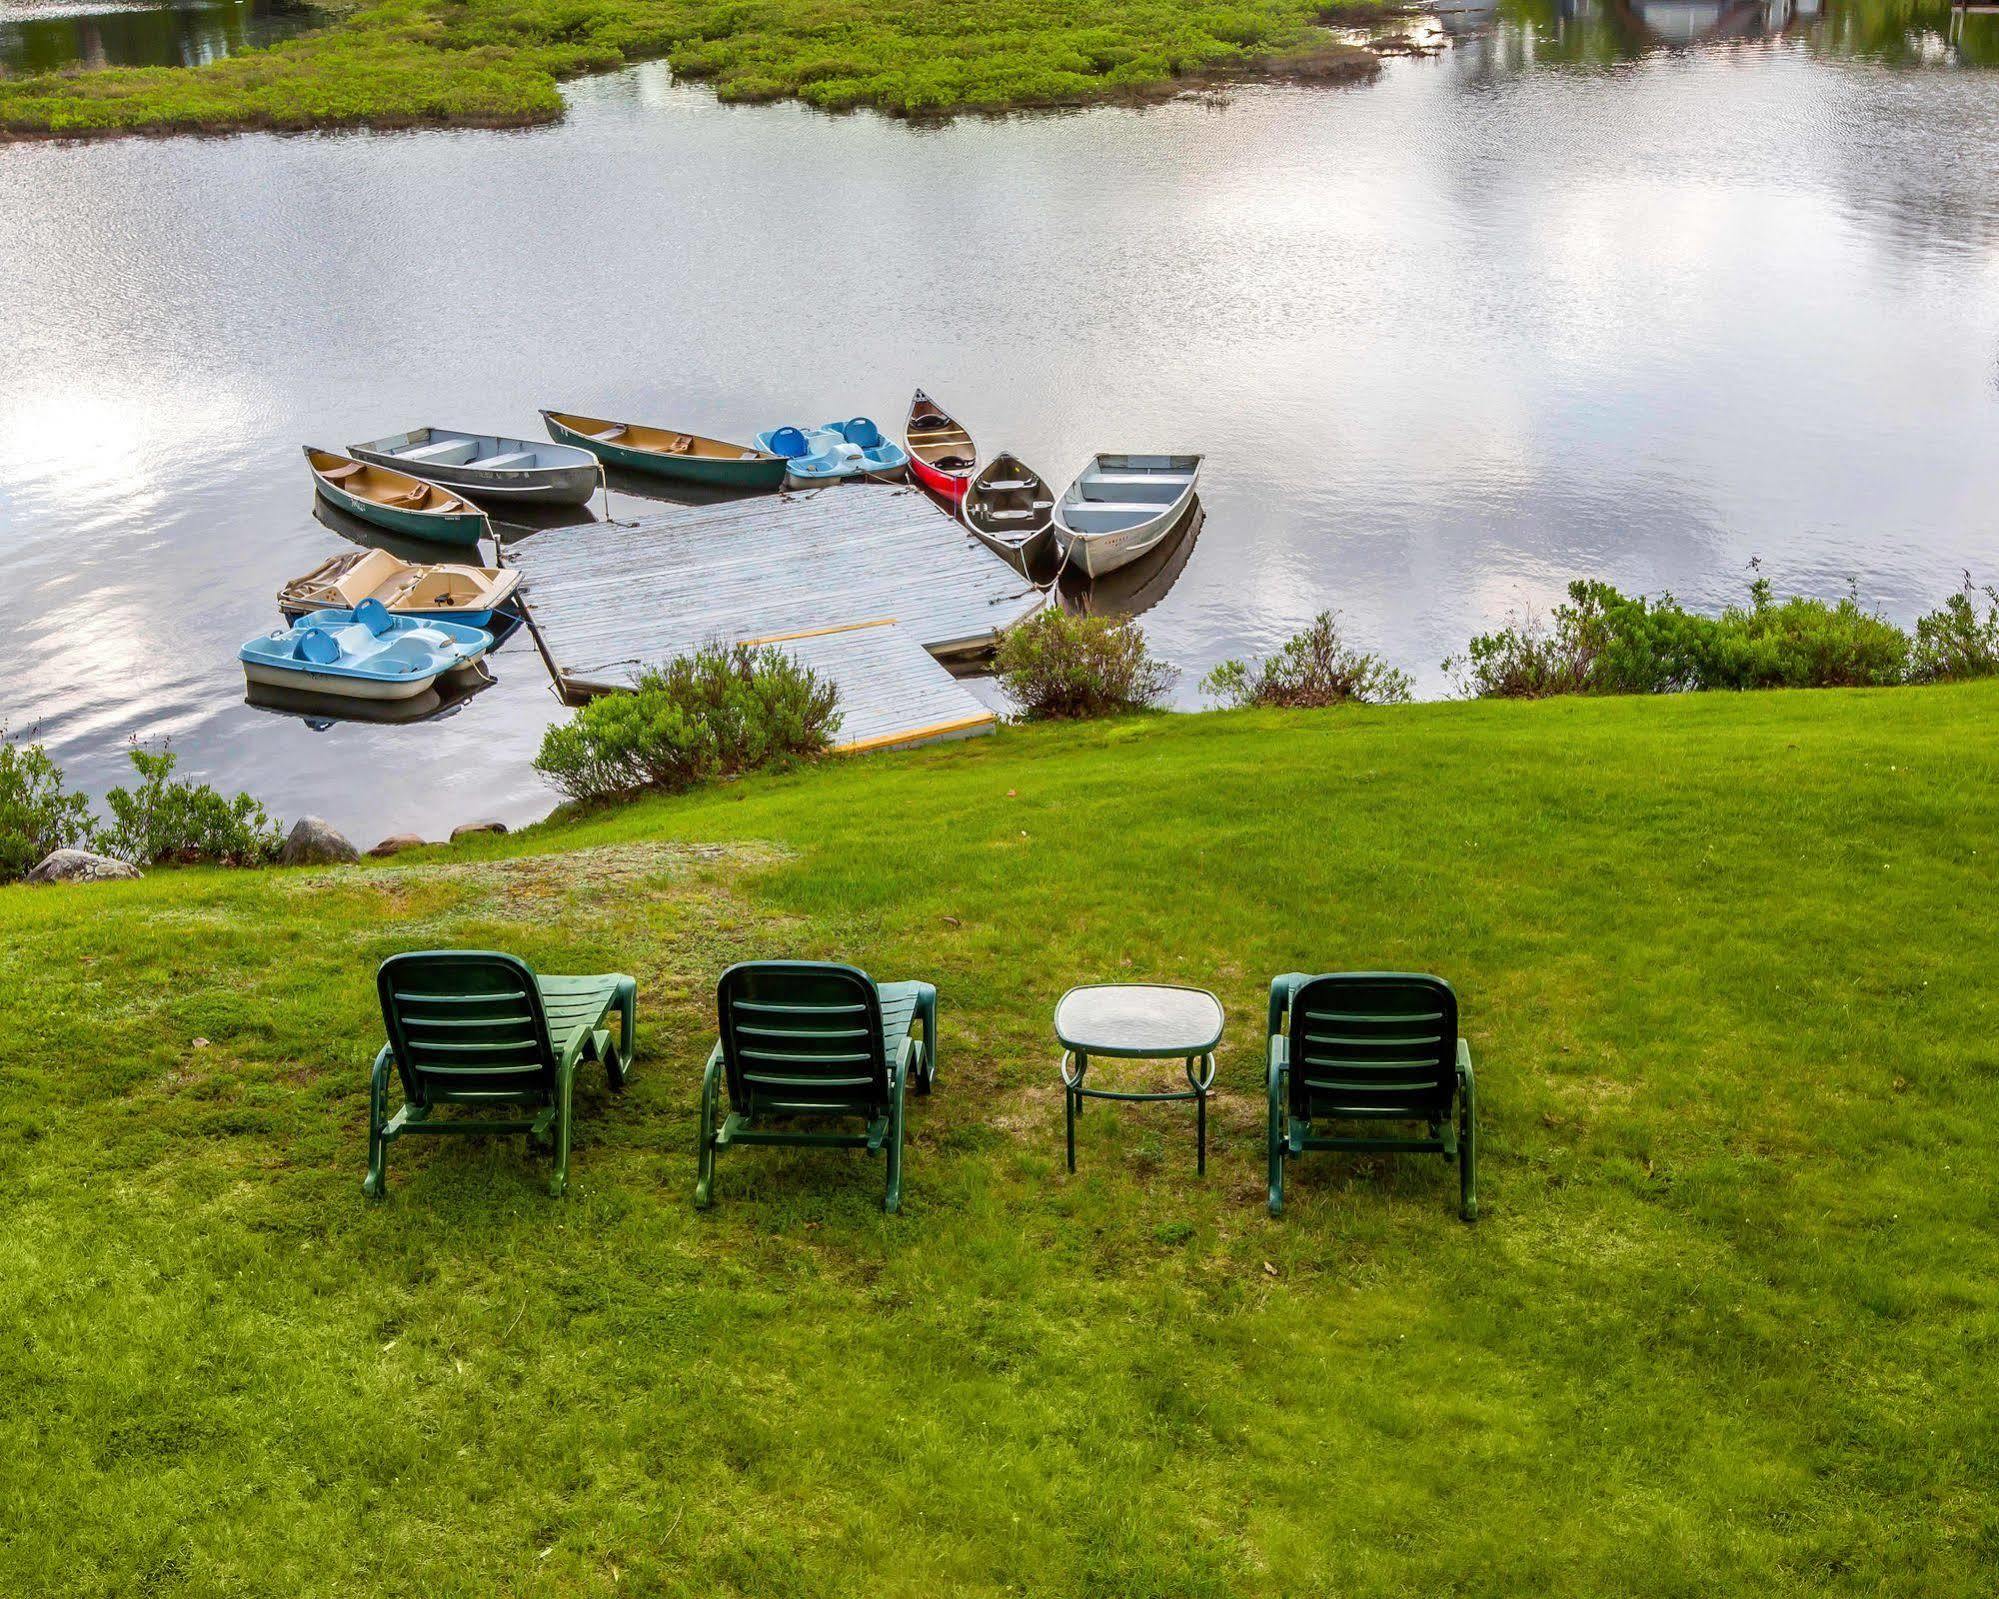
833 451
368 653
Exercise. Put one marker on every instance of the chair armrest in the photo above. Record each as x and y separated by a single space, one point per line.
1464 1063
908 1047
1281 990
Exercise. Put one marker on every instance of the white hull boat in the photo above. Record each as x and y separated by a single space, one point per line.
1120 507
488 465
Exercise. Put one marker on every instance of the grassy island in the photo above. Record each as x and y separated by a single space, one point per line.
1725 1324
408 63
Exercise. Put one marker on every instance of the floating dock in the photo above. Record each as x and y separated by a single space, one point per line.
867 584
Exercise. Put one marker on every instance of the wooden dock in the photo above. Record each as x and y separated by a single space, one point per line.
823 574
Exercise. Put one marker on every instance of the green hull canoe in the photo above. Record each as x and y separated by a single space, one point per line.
396 501
661 452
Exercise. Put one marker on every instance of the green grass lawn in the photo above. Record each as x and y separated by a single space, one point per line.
1726 1323
404 62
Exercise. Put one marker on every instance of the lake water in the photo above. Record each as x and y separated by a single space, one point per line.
44 35
1587 293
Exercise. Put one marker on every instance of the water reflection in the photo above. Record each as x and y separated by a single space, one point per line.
323 712
1585 32
1133 590
47 38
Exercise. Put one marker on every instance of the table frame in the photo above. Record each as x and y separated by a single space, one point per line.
1199 1083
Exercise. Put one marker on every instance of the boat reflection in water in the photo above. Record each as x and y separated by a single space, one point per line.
320 712
1133 590
519 522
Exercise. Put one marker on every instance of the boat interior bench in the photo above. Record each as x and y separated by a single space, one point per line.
497 463
451 452
1160 486
1107 516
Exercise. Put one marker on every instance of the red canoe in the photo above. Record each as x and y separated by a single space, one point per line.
941 454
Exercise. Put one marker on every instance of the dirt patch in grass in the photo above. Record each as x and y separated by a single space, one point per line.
590 885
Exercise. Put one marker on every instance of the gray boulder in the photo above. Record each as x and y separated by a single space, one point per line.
81 866
314 841
467 829
396 843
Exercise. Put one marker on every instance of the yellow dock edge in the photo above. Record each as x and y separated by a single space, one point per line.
964 727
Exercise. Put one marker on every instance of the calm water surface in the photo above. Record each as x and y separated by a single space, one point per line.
1570 298
45 35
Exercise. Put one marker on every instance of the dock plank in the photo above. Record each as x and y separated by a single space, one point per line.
826 573
610 599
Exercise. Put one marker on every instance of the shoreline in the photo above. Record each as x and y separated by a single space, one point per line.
1319 57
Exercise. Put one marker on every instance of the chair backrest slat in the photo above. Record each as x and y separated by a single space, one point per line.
801 1037
466 1026
1373 1044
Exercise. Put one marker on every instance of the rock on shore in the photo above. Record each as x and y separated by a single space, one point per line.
81 866
314 841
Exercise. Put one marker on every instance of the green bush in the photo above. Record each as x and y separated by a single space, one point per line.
723 710
165 822
1602 642
1314 668
1954 642
36 816
1606 642
1055 665
1798 643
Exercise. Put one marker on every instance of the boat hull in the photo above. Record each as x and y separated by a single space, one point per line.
947 486
1094 554
533 485
304 680
1027 554
456 528
707 471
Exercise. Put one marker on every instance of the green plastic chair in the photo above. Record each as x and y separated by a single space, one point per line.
1370 1047
480 1029
801 1039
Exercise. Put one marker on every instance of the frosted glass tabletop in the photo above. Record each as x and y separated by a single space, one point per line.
1143 1021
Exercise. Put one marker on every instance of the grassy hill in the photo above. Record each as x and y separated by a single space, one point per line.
1725 1325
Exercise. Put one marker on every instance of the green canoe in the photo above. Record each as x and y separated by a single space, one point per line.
396 501
686 457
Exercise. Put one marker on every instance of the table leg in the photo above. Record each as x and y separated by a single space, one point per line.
1200 1131
1069 1117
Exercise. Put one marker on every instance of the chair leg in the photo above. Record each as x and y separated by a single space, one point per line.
704 1182
376 1183
1276 1146
558 1182
926 1012
1467 1140
619 1067
892 1199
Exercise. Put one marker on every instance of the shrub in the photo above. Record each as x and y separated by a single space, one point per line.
1800 643
1954 642
723 710
1314 668
165 822
1055 665
36 816
1603 642
1606 642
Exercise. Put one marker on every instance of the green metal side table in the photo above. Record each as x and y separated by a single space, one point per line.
1139 1021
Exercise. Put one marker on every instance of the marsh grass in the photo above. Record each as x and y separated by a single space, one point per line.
1724 1325
497 62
